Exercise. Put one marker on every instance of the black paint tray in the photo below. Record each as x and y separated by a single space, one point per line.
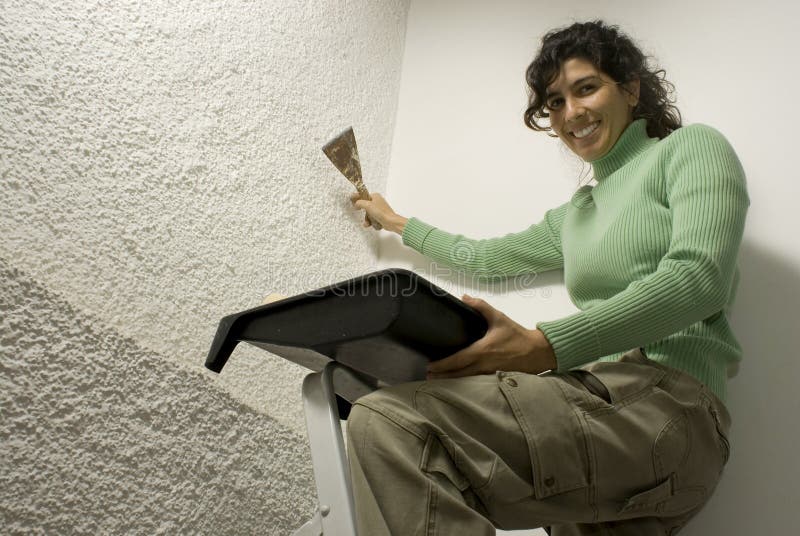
386 325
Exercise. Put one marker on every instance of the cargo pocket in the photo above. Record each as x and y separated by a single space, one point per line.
722 434
691 448
663 500
437 462
672 445
552 429
623 381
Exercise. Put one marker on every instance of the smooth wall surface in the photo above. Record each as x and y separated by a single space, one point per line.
462 160
160 167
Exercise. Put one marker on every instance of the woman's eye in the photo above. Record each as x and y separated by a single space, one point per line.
554 104
587 88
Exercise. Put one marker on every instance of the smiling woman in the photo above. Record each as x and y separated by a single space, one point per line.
579 60
588 110
628 433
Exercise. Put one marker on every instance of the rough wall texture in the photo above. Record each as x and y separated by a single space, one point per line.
160 167
102 436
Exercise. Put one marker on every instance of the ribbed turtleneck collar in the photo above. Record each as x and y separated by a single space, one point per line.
631 142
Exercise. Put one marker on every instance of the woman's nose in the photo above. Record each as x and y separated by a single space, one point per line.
573 109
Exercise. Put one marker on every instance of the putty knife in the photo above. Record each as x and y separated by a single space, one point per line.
343 152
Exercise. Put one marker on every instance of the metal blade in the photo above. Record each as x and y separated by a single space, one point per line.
343 152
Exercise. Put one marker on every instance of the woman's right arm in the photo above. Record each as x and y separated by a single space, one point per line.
536 249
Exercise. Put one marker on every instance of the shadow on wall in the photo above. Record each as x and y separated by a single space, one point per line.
758 491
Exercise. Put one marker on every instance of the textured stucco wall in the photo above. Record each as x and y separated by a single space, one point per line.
103 436
160 167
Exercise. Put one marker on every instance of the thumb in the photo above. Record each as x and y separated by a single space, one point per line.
483 307
476 303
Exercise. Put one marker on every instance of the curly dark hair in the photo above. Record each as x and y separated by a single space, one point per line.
615 54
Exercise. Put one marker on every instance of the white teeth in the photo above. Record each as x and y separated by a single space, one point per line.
586 131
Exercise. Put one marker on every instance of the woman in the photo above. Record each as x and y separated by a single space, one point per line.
628 432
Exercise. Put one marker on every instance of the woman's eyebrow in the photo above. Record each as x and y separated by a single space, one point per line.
579 81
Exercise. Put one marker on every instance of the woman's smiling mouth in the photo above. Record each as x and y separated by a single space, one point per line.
582 133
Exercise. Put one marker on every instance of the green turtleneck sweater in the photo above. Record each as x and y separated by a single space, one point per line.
649 254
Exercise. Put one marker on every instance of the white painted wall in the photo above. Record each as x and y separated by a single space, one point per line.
160 167
462 160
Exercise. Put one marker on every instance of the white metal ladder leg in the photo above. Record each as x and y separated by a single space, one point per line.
335 514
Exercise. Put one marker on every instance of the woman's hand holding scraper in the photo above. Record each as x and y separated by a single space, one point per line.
379 211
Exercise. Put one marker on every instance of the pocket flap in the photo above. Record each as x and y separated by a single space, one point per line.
665 499
552 428
436 459
624 380
649 499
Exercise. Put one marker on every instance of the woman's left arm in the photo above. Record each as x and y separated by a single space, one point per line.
707 195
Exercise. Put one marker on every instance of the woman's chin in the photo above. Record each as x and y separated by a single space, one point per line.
593 152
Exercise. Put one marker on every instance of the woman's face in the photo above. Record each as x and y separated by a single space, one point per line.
588 109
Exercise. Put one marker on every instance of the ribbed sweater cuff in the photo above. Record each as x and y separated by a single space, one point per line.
573 339
415 232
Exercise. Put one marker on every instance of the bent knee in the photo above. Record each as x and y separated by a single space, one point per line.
396 399
368 424
385 411
357 423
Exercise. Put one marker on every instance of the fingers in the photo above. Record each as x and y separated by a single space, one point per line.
457 361
373 197
468 360
360 203
483 307
471 370
374 209
476 303
355 196
473 361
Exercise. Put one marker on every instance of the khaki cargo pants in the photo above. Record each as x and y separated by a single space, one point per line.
625 448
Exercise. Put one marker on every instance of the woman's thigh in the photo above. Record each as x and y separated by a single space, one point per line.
544 450
469 417
656 444
517 475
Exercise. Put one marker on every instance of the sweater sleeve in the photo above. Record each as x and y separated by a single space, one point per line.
536 249
708 200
